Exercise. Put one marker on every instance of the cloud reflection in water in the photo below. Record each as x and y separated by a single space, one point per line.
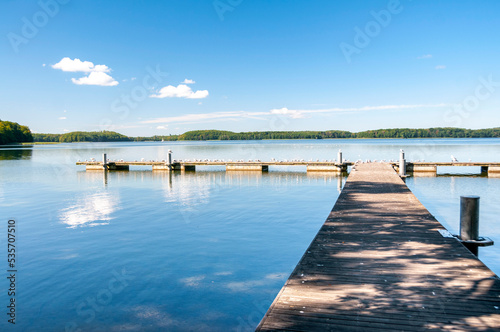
90 210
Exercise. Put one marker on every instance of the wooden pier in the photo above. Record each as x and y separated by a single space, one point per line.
415 168
380 263
430 168
262 166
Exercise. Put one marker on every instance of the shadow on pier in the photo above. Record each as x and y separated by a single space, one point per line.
379 263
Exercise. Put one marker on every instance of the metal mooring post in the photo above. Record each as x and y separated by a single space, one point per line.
402 163
469 217
469 224
104 161
339 157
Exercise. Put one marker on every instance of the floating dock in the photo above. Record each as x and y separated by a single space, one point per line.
415 168
430 168
381 263
314 166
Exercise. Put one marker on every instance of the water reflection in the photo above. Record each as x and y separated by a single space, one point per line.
192 189
15 153
192 181
90 210
327 176
189 192
422 174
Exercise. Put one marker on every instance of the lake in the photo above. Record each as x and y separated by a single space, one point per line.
203 251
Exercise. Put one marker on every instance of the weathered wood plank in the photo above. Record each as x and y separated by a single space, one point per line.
379 263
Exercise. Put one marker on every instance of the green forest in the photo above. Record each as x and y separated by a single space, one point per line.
205 135
198 135
82 136
92 136
13 132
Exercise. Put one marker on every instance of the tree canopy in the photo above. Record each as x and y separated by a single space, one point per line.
82 136
93 136
13 132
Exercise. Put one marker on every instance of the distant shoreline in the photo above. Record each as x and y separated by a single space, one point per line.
221 135
14 133
248 140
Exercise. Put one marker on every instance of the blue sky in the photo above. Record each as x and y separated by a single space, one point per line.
166 67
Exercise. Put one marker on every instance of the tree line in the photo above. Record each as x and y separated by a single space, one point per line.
13 132
201 135
83 136
447 132
222 135
198 135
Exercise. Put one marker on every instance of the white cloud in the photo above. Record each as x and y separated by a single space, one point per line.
187 81
65 130
77 65
294 114
425 56
291 113
97 73
161 127
96 78
440 67
180 91
62 118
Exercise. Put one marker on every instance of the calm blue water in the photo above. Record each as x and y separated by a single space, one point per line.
204 251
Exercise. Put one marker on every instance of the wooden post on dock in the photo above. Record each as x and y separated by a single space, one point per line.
339 157
402 163
170 159
104 161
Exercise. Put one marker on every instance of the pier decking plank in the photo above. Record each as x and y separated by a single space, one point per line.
379 263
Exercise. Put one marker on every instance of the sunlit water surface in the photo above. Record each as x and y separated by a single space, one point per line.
204 251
